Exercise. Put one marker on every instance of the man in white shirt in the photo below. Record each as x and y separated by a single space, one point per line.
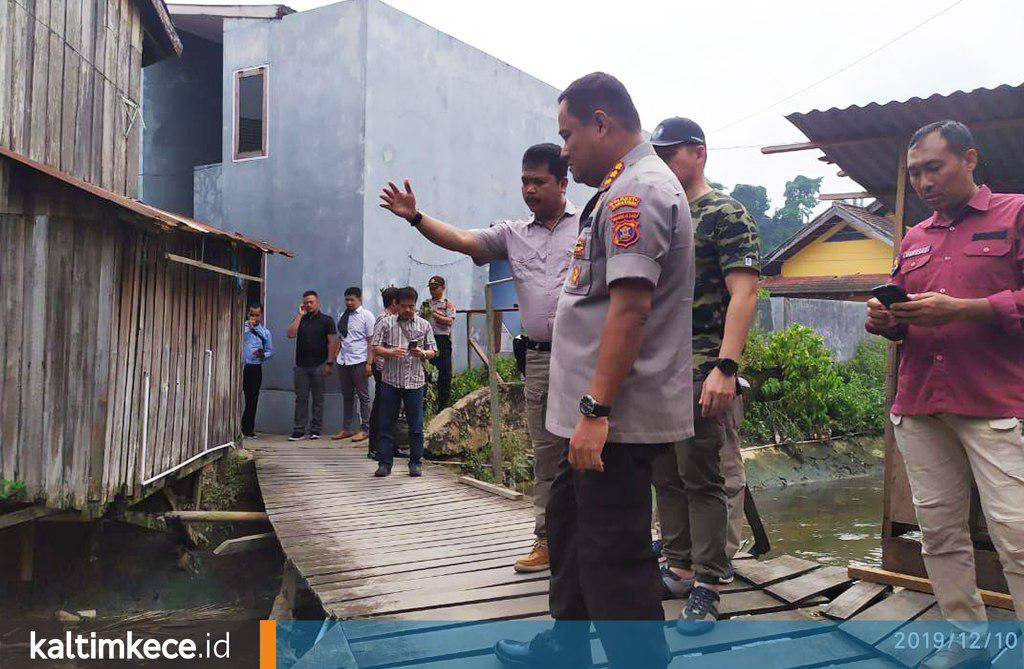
355 364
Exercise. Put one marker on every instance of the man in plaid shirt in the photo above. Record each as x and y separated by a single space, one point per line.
403 340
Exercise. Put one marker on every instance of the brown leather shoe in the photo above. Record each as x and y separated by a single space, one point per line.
360 436
344 434
537 560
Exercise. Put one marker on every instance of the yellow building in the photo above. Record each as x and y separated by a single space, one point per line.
841 255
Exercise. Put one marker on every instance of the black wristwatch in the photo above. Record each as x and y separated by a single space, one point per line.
415 220
727 366
590 408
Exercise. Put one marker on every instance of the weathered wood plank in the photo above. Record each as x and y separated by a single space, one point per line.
502 609
855 599
815 582
13 274
22 48
37 111
122 63
6 79
71 106
769 571
54 94
106 342
33 356
887 615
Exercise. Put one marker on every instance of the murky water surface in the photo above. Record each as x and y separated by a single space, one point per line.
832 522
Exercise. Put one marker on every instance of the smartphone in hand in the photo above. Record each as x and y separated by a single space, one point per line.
889 294
414 344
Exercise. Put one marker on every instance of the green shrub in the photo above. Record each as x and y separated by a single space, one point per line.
800 392
517 456
12 491
469 380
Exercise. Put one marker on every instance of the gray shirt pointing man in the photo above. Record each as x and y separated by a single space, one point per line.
539 249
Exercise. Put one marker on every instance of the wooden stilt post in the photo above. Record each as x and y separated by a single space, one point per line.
494 344
469 335
892 461
197 487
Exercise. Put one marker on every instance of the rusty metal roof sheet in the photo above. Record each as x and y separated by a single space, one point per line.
823 285
864 141
166 219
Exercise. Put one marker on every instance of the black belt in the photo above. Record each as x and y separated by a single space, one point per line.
538 345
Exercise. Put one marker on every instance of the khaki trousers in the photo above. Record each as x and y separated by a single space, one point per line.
547 448
942 451
700 485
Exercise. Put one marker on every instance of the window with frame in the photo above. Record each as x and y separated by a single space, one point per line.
251 113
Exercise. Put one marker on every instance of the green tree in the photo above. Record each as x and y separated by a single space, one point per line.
801 198
755 199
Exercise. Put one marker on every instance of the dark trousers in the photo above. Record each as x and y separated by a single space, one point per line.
374 441
252 380
390 399
443 362
602 567
309 381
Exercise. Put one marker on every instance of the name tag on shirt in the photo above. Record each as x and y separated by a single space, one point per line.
916 252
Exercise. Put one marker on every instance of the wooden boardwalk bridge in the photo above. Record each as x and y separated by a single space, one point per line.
435 550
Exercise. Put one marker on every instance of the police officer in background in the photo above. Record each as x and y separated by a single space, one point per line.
620 388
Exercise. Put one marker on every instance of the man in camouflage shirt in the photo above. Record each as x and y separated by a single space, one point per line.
700 483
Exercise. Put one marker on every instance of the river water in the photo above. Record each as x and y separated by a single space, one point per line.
832 522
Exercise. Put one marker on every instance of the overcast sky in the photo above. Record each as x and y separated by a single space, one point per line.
718 62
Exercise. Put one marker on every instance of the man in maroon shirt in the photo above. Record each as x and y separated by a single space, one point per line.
960 392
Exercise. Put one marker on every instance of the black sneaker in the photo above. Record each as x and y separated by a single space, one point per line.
415 469
296 435
314 435
730 575
701 612
382 470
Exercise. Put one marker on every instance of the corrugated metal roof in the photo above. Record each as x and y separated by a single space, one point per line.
864 141
166 219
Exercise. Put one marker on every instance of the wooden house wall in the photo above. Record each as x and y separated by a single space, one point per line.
93 312
70 80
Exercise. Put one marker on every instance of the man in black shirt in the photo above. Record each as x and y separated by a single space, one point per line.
316 344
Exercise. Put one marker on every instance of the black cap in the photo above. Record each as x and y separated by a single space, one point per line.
677 130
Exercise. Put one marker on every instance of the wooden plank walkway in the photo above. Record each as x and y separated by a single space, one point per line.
382 554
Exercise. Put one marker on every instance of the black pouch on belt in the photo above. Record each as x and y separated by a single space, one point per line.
519 351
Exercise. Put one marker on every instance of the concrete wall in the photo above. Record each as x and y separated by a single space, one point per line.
840 323
181 106
455 121
208 194
306 194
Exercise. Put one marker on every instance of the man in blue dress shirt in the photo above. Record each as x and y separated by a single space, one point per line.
256 348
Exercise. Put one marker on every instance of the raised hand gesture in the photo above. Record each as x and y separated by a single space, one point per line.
399 203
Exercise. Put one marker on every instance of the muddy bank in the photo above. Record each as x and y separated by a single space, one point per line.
780 466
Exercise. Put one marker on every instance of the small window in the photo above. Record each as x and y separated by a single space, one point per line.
847 234
251 113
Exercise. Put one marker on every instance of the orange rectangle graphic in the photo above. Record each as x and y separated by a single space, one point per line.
268 644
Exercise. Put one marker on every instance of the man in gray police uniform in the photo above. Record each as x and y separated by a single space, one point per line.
621 385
